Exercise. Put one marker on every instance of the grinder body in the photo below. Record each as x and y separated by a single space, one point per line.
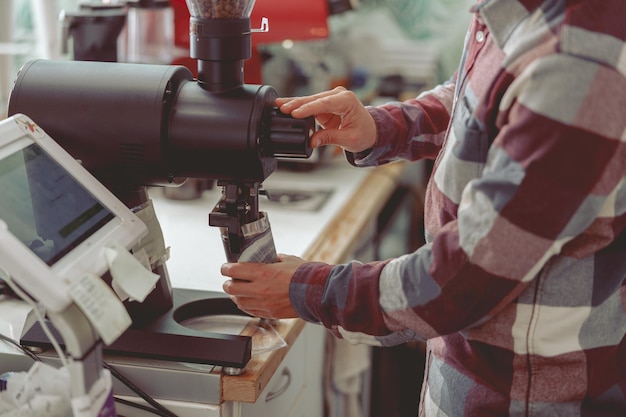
142 124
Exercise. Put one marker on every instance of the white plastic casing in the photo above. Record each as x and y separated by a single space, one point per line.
50 284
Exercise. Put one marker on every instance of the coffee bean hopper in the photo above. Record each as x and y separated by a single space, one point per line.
139 125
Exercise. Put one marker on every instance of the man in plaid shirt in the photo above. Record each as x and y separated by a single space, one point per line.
520 290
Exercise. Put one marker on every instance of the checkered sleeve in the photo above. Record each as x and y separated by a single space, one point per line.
413 129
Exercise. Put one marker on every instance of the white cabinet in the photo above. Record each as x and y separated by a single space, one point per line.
295 390
311 400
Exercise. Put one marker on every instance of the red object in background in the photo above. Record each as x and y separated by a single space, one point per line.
181 34
181 23
294 20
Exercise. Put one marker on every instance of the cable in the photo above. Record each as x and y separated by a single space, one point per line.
158 407
140 406
24 350
5 289
21 294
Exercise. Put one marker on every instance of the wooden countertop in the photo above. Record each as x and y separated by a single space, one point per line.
335 244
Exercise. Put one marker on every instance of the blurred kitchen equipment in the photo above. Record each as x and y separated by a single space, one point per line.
150 32
94 30
189 190
292 20
46 24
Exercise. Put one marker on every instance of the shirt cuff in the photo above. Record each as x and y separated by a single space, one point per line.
370 157
307 289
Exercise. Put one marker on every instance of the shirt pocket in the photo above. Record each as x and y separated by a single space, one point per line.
472 142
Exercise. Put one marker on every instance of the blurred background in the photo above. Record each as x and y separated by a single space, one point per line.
378 48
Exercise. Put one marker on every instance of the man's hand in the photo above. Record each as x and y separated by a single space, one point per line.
344 119
260 289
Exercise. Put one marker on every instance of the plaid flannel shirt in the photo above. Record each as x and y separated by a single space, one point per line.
520 290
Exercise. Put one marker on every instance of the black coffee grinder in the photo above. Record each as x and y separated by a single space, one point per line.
138 125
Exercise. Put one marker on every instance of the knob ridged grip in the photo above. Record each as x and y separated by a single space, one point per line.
290 137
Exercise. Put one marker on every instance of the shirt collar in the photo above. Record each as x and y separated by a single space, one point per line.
503 16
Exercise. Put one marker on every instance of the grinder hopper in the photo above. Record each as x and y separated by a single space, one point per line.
220 9
220 41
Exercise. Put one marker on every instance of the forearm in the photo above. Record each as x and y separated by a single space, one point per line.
411 130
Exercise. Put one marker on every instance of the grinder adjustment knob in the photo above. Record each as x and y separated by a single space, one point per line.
290 137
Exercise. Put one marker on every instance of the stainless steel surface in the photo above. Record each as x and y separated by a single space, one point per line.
150 33
291 197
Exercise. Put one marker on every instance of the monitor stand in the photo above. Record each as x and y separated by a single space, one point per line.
167 339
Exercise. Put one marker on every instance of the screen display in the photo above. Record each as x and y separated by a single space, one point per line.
44 206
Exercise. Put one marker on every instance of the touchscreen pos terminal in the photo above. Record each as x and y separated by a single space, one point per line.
56 219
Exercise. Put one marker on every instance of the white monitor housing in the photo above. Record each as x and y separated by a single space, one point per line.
56 219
